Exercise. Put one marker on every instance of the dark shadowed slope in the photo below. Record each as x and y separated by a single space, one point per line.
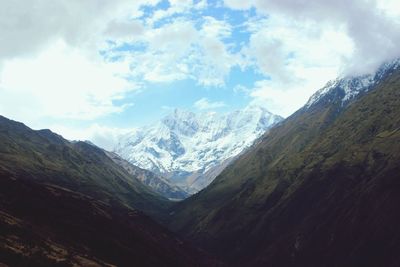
68 204
321 189
46 225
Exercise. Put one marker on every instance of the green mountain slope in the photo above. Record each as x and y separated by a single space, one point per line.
321 189
48 158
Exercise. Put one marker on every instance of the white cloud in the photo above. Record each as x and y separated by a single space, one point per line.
283 98
177 7
61 83
124 29
104 137
181 50
27 26
390 8
205 104
165 54
238 4
214 61
241 89
298 58
372 27
49 57
277 46
216 28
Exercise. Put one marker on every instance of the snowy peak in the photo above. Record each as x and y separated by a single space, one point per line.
348 88
181 122
184 142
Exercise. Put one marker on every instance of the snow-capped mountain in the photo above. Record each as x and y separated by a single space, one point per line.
347 88
184 143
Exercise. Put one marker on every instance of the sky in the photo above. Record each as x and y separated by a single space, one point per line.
95 69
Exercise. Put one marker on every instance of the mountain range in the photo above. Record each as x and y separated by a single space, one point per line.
191 149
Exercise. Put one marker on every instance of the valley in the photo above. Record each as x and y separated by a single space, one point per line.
319 188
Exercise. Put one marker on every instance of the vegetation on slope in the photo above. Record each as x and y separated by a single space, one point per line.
321 189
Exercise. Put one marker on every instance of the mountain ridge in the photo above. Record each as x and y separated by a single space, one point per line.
47 157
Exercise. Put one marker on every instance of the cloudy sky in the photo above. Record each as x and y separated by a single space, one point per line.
91 69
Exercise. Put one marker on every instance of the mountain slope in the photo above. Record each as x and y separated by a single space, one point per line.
203 179
321 189
48 158
184 143
68 204
156 182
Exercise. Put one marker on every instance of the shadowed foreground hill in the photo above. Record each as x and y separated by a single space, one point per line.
68 204
45 225
321 189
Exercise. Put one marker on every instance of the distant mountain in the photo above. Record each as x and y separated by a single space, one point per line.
319 189
184 143
69 204
156 182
